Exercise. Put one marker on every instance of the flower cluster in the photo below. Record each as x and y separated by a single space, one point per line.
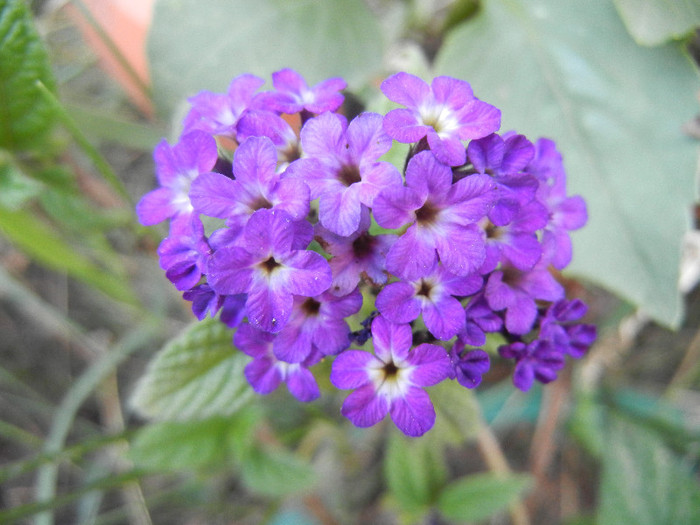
286 222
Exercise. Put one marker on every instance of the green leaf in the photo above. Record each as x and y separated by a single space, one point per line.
24 117
653 22
195 44
276 472
457 413
198 374
46 245
15 187
414 470
476 497
568 70
176 446
643 482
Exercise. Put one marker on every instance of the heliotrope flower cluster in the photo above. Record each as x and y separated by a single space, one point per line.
287 222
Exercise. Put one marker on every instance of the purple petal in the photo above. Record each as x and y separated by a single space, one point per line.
445 318
309 273
523 376
229 272
413 414
432 364
391 339
397 302
448 150
302 384
406 89
255 162
263 375
461 250
268 309
340 211
252 342
351 369
413 255
394 206
215 195
364 407
366 138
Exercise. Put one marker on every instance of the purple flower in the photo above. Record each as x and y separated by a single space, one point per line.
536 360
257 186
176 168
446 112
356 255
264 265
468 367
317 324
265 372
293 95
480 318
341 167
441 215
433 296
559 327
391 380
505 159
206 301
516 291
218 113
256 123
184 253
515 243
565 213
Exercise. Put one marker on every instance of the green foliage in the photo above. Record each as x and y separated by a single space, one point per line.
196 375
479 496
319 39
654 22
643 482
24 117
415 472
569 70
47 245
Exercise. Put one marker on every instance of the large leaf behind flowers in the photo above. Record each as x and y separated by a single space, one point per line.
568 70
203 44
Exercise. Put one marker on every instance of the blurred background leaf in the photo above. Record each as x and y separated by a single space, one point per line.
568 70
654 22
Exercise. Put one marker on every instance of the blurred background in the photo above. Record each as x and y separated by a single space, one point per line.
84 306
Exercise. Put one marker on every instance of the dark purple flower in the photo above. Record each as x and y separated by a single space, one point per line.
183 254
342 169
356 255
218 113
480 319
516 243
536 360
206 301
433 296
565 213
257 186
559 326
442 218
447 112
264 265
265 372
391 380
468 367
176 167
505 159
317 324
293 95
516 291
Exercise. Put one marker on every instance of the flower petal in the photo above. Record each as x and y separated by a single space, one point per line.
413 414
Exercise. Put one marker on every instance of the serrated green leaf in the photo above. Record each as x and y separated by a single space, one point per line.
177 446
46 245
198 374
653 22
276 472
568 70
24 117
643 482
197 45
479 496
